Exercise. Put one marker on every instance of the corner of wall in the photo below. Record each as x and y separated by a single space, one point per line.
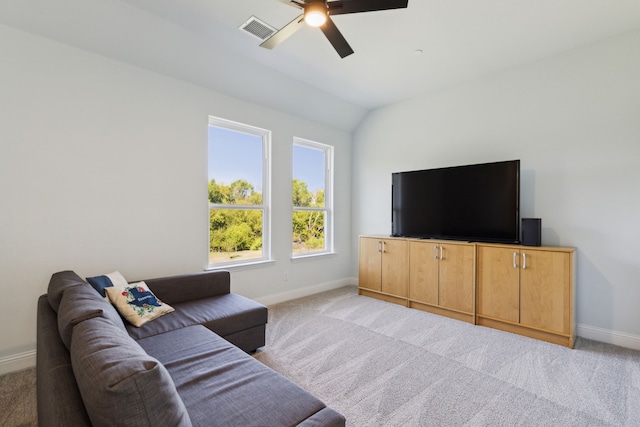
306 291
17 362
608 336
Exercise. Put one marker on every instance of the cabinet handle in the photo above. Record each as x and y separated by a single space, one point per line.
441 252
379 246
515 260
435 252
524 260
384 247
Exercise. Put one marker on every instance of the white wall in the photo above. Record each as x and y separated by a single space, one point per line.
206 57
103 167
574 121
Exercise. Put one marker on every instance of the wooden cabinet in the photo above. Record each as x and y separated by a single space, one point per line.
519 289
441 278
498 283
383 270
527 291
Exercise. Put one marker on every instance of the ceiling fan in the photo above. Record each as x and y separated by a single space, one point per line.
317 13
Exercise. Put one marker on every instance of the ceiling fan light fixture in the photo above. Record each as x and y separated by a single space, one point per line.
315 14
319 13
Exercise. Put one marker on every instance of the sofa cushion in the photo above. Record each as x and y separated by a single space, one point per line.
224 314
120 384
80 303
57 285
137 303
100 283
189 287
217 381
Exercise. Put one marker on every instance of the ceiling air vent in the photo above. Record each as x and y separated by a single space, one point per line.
257 28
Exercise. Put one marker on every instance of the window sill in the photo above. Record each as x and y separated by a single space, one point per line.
310 257
242 266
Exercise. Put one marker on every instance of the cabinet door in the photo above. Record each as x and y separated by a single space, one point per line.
498 283
370 263
456 277
423 272
395 267
545 290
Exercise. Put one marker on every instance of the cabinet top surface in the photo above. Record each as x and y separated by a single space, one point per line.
483 244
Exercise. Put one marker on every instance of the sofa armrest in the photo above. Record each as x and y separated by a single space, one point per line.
58 397
189 287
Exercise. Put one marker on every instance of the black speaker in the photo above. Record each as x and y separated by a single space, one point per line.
531 231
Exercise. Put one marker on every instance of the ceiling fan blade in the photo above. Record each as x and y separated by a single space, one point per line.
341 7
284 33
336 38
295 3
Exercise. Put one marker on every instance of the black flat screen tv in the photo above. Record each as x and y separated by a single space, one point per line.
478 203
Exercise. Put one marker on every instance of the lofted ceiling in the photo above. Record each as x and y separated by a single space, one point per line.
459 39
399 54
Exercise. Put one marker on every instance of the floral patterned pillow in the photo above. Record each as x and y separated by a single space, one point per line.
137 303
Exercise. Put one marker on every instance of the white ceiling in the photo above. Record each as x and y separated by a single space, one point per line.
460 40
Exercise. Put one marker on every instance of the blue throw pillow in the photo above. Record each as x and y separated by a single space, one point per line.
101 283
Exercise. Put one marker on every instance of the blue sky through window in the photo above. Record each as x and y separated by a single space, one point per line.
236 155
308 166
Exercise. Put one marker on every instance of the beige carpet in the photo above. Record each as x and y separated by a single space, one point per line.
18 399
381 364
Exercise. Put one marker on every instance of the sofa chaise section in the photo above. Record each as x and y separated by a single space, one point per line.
198 357
206 299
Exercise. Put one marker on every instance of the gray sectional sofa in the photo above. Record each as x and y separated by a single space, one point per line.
188 367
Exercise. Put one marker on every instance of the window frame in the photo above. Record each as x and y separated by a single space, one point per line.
265 136
328 208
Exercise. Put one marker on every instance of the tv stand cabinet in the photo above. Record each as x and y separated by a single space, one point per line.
527 290
383 271
518 289
442 278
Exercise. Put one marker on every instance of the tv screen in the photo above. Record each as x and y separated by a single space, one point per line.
473 203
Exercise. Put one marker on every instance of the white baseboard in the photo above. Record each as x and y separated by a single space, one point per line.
27 359
621 339
17 362
306 291
608 336
20 361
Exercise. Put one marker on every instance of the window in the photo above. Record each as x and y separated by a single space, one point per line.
312 197
238 193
